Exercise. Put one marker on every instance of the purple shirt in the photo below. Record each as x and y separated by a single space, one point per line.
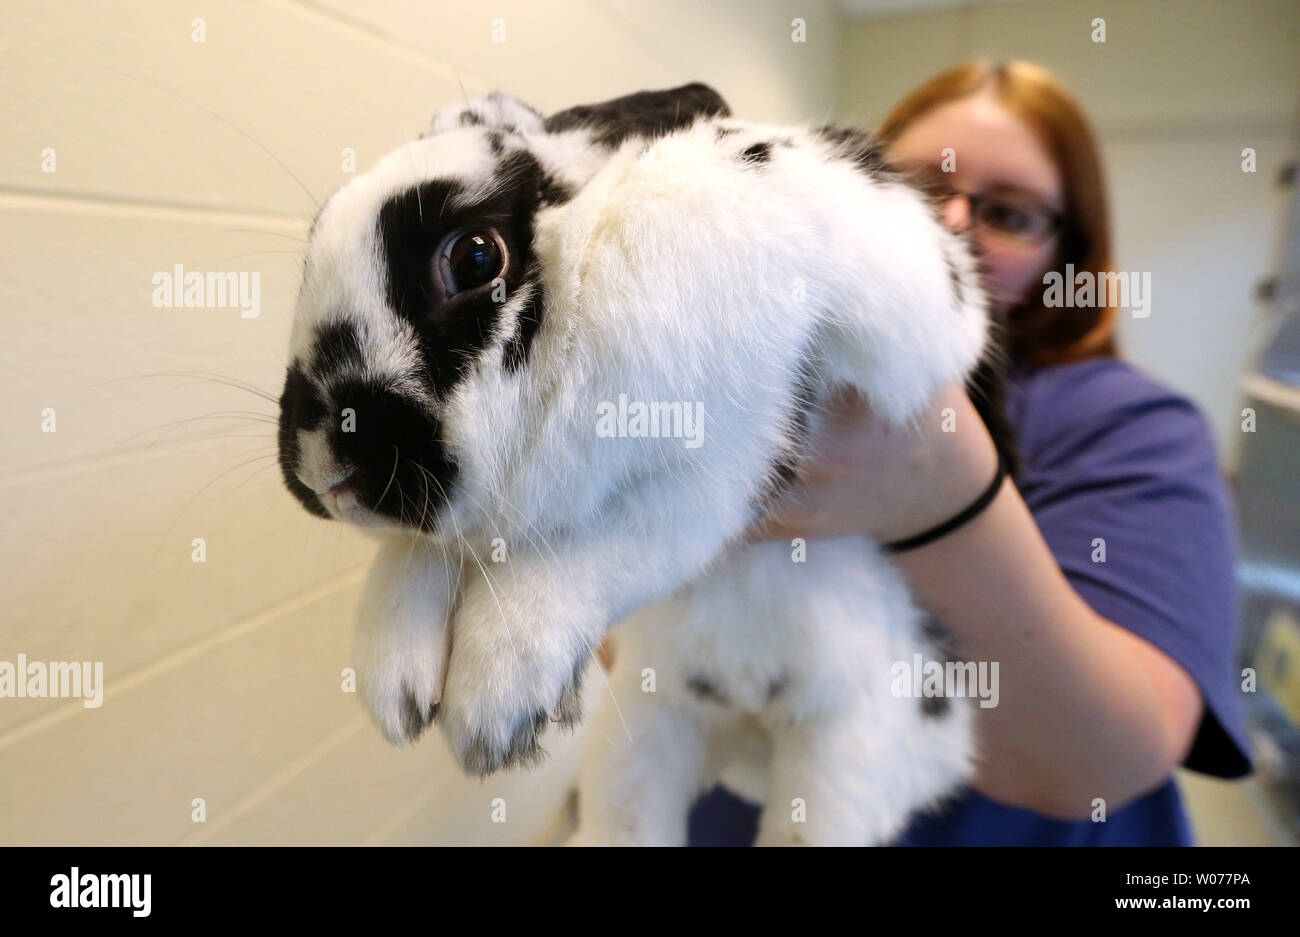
1107 454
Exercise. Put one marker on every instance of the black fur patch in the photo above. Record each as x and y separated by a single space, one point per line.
932 707
523 748
954 278
470 119
337 349
777 687
300 406
414 719
706 689
454 331
568 711
404 470
643 114
857 146
721 133
943 648
941 642
523 166
757 153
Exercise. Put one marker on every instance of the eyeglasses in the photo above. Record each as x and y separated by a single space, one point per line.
1012 216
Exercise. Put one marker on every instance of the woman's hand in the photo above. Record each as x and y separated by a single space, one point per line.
865 476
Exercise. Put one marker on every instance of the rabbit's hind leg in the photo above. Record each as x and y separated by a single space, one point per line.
856 777
646 762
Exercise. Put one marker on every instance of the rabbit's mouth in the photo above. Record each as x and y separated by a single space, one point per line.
361 451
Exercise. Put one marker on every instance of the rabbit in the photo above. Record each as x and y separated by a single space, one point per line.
557 366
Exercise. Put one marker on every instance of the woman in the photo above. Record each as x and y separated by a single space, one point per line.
1102 579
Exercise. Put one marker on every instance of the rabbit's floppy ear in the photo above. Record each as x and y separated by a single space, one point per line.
497 111
643 114
903 310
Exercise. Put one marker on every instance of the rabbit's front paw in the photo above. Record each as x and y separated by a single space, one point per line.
401 645
399 674
504 685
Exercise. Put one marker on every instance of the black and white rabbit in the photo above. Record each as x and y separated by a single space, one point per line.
471 309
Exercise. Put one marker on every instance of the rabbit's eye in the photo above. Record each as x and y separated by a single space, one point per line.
470 259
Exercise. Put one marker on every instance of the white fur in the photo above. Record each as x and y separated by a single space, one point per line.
676 273
825 632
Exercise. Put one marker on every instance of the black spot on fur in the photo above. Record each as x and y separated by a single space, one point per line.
777 687
942 647
568 711
954 279
857 146
482 758
757 153
941 642
643 114
452 330
404 470
455 330
337 349
784 472
932 707
300 407
470 119
401 469
415 719
721 133
706 689
495 143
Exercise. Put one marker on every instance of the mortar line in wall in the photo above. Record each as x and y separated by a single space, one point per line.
276 781
32 199
404 813
170 661
376 34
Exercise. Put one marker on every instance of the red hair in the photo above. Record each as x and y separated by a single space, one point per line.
1036 332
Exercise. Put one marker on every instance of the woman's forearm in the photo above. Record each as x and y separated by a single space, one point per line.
1086 708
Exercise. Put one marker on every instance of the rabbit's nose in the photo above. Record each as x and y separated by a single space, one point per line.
337 484
343 484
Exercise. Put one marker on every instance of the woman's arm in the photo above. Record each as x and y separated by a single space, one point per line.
1087 709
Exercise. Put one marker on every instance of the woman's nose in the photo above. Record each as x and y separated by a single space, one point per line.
956 212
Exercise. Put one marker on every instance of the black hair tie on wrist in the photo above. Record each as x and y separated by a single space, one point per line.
965 516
